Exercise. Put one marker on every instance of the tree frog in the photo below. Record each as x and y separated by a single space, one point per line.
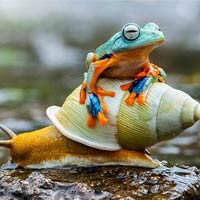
124 56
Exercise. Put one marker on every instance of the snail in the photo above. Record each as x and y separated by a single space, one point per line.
130 129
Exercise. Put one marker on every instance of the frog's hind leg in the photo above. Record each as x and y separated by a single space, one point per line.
137 87
151 73
95 95
136 90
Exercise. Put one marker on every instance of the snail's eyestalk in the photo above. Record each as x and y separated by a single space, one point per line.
6 130
5 143
10 133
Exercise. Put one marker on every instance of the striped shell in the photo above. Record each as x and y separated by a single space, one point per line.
165 114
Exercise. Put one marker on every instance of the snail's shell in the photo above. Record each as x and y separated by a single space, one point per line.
165 114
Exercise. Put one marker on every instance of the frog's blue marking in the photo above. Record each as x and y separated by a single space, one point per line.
138 85
106 56
162 73
94 106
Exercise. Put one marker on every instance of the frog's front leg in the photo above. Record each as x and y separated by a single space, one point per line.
90 58
90 78
95 104
82 94
94 95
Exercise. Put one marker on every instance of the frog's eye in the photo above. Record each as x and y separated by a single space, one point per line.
131 32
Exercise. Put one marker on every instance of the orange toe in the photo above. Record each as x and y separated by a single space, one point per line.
161 79
130 99
103 92
91 121
141 75
141 98
102 119
82 93
126 86
103 105
82 96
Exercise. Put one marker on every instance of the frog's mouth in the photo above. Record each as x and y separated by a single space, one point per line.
150 46
139 52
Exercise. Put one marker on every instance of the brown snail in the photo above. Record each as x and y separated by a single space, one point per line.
130 129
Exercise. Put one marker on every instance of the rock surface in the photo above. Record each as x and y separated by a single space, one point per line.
111 182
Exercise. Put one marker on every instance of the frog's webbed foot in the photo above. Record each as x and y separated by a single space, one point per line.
136 89
151 73
96 106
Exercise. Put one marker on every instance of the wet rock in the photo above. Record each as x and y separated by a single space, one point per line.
110 182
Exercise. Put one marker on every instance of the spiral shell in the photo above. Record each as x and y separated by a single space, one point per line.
164 115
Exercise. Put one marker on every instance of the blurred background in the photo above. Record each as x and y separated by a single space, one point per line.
43 45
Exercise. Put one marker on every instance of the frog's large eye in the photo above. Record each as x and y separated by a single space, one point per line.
131 32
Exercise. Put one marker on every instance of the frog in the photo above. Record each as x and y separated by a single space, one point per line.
124 56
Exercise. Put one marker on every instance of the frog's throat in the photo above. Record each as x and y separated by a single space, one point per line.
134 55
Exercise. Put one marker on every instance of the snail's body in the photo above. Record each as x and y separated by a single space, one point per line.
131 129
48 147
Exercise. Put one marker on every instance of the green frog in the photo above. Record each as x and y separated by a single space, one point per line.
124 56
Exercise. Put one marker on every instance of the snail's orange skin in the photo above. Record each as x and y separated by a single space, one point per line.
48 145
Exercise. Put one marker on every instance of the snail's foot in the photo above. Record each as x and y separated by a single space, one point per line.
97 107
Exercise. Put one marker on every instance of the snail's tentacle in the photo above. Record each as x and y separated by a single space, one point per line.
5 143
8 131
